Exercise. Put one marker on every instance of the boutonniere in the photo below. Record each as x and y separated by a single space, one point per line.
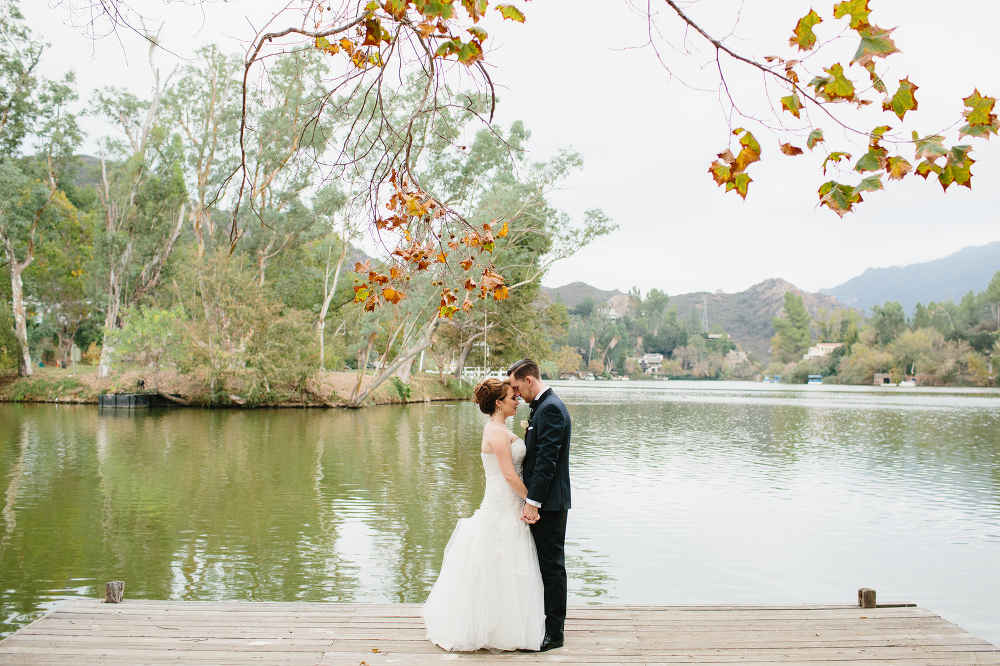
524 424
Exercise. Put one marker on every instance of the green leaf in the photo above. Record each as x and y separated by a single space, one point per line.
836 86
478 34
792 104
873 160
439 9
874 42
903 100
835 157
741 183
397 8
838 198
510 12
979 114
979 131
803 36
816 136
876 81
858 9
869 184
929 147
926 168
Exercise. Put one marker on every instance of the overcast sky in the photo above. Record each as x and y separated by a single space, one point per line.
578 74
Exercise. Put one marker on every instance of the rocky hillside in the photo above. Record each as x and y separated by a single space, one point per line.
574 293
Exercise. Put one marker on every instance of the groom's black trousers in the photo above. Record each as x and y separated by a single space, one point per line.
550 542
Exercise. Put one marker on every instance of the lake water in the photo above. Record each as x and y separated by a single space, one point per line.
684 493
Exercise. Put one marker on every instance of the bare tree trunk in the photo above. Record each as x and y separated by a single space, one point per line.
463 357
17 296
327 299
404 357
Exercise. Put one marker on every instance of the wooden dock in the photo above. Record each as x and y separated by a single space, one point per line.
209 633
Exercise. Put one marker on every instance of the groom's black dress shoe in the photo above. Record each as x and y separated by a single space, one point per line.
549 643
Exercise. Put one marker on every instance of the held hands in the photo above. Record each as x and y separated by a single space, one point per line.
530 514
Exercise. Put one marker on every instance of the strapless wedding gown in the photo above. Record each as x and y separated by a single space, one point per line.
489 592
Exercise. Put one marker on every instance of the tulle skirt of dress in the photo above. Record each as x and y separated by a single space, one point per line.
489 593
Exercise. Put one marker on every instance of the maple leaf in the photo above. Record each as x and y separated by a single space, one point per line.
500 293
438 8
815 136
957 168
363 267
789 149
478 34
869 184
441 258
981 119
903 100
395 273
926 168
898 167
741 183
510 12
792 104
835 157
466 264
873 160
929 147
721 173
803 36
876 81
504 230
470 284
392 296
836 86
476 8
375 34
838 198
874 42
467 304
750 152
447 311
858 9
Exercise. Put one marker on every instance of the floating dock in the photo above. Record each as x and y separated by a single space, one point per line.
207 633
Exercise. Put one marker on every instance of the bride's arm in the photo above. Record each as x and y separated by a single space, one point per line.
500 443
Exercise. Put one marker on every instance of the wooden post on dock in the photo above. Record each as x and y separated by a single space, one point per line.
114 591
866 597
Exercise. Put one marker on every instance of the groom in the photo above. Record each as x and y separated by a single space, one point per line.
546 475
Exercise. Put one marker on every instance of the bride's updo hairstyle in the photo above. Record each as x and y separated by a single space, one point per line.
488 391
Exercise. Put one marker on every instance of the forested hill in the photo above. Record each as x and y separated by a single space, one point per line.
746 316
574 293
949 278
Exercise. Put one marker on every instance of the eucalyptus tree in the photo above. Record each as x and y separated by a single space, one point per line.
32 205
143 197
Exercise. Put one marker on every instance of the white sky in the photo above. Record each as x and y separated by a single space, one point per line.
576 74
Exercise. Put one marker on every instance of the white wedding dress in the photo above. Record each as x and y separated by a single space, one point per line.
489 592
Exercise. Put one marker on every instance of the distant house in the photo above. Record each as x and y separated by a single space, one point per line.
715 336
882 378
613 315
651 363
821 349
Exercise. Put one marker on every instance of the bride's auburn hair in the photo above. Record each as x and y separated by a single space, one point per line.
488 391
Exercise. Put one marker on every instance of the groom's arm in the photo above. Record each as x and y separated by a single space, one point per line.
550 430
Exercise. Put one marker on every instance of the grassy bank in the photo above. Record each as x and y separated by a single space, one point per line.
322 389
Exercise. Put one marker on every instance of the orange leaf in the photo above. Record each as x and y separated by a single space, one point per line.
789 149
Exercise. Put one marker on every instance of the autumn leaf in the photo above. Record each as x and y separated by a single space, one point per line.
979 114
467 304
869 184
478 34
750 152
898 167
504 230
363 267
438 9
858 10
470 284
447 311
838 198
792 104
815 136
441 258
476 8
789 149
491 280
834 87
466 264
929 147
957 168
903 100
874 42
835 157
741 183
375 34
510 12
876 81
500 293
392 296
803 36
873 160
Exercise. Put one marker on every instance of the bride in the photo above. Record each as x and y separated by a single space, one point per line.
489 592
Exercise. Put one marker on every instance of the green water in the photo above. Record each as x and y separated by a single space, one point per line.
683 493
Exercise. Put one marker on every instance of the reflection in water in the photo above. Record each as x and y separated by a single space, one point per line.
696 493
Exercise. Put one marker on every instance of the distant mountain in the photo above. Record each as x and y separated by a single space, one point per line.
574 293
952 277
747 316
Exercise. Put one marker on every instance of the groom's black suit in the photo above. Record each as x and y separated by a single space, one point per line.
546 475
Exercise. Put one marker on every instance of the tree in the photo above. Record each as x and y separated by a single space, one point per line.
888 321
569 360
993 296
792 335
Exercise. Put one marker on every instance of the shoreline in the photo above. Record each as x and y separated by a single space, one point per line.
327 389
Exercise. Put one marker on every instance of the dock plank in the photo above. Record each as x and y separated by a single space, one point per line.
214 633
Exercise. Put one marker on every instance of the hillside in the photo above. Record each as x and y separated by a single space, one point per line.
574 293
970 269
746 316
